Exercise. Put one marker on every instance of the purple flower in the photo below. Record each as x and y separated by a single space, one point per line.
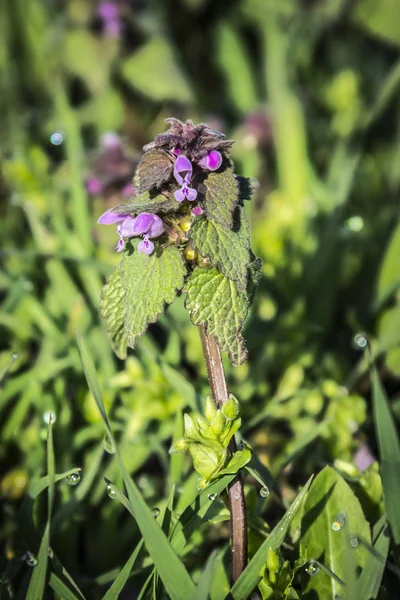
363 458
196 211
145 224
183 171
94 186
211 161
109 14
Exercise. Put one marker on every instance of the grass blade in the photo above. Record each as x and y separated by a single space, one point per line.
251 575
173 573
203 588
38 579
389 451
120 581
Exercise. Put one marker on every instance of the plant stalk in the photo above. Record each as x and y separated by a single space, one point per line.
219 391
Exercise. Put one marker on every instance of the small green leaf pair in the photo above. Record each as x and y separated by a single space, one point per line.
207 439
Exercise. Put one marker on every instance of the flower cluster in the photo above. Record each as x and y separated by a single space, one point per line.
185 151
145 224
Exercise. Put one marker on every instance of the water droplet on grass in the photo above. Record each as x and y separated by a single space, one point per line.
15 355
360 341
73 478
108 444
312 569
354 541
264 492
336 526
56 138
212 497
355 224
111 492
155 511
49 417
31 560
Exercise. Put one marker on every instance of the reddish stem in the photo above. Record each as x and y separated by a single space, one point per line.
219 391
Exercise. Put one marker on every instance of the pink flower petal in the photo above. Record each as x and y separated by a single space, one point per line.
180 195
110 217
191 194
146 246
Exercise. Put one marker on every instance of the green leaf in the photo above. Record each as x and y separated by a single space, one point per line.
215 301
227 249
112 311
119 583
251 575
38 579
331 501
154 71
237 462
148 203
369 582
234 62
153 170
221 196
389 275
149 282
389 451
379 18
175 578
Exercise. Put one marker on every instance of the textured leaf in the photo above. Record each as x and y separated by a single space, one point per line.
149 282
112 311
331 501
221 196
215 301
148 203
153 170
225 248
253 278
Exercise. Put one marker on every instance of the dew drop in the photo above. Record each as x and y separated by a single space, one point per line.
31 560
360 341
354 541
49 417
264 492
155 511
108 444
355 224
73 478
312 569
15 355
56 138
212 497
111 492
336 526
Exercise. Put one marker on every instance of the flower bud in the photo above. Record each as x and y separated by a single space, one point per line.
210 409
230 409
272 561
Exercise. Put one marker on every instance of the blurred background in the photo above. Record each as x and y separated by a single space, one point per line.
309 89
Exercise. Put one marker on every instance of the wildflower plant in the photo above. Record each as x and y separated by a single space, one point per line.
189 212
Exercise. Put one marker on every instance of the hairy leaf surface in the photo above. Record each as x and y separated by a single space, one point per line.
148 203
112 311
215 301
153 170
149 282
221 196
228 250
